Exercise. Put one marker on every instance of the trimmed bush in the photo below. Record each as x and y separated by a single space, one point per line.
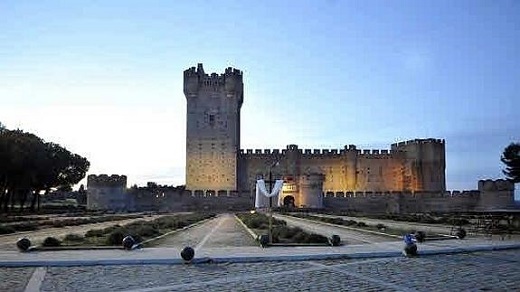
51 242
6 229
116 237
73 237
94 233
25 226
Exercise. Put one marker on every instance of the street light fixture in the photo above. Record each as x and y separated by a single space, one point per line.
270 231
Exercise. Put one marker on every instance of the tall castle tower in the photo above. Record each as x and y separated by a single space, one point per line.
213 128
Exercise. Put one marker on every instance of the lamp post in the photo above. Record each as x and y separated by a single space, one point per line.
270 231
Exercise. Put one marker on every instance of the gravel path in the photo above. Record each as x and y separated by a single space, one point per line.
222 231
347 236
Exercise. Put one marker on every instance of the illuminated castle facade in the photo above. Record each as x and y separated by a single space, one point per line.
407 178
214 160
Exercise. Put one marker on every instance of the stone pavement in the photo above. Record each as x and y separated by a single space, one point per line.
493 270
244 253
469 264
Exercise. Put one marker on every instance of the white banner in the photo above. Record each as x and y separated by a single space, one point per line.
262 195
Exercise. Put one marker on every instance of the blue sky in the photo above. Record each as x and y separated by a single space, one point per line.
104 78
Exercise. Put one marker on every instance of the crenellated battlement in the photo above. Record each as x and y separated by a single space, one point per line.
474 194
104 180
195 79
213 78
490 185
320 153
418 141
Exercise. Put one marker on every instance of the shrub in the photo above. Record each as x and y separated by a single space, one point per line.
94 233
316 238
51 241
6 229
146 231
73 237
25 226
109 229
116 237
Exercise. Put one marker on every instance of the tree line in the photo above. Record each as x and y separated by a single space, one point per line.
30 166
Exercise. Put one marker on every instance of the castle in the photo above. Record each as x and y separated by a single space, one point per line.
214 160
408 177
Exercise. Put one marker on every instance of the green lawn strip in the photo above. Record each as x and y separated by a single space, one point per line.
12 227
355 225
140 230
259 224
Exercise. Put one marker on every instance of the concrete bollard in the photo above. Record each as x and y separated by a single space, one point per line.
335 240
264 240
23 244
128 242
461 233
187 254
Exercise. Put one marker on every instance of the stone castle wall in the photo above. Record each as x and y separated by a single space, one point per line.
110 193
416 165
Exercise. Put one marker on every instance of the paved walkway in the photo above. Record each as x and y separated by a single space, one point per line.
223 231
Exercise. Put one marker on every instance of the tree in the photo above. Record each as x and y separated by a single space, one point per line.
29 165
511 158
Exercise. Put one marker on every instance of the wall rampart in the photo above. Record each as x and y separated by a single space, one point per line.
318 153
417 141
104 180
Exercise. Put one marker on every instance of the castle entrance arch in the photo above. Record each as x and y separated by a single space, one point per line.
288 201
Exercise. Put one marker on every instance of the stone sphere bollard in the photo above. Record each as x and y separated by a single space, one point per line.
23 244
335 240
128 242
187 253
420 236
264 240
461 233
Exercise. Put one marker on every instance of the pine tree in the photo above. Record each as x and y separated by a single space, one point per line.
511 158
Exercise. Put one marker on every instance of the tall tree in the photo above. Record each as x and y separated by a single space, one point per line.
511 158
28 165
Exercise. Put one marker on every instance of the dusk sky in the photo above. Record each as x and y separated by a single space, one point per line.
104 78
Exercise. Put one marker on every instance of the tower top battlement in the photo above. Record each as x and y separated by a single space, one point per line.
196 79
199 71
